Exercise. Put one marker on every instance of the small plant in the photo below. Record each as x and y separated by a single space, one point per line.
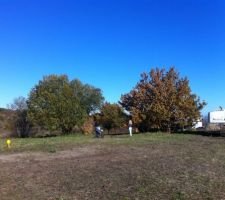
178 196
60 198
141 190
52 150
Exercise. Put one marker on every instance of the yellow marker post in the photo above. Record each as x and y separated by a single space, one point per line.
8 142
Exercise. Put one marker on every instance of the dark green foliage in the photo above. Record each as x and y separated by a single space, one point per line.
90 97
112 116
53 106
56 104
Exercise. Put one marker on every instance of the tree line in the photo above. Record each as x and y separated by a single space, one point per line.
161 100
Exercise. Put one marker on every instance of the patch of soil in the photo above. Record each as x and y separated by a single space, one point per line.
193 169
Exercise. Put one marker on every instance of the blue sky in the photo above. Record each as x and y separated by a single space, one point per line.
109 43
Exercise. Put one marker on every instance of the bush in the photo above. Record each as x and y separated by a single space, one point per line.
88 126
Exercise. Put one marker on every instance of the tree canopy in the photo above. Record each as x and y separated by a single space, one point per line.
90 97
56 103
162 100
111 116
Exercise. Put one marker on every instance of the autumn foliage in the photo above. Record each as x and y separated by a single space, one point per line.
111 116
162 100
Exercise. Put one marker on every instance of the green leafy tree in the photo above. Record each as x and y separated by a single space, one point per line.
89 97
57 104
162 100
112 116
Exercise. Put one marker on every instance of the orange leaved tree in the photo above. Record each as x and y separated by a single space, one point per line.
162 100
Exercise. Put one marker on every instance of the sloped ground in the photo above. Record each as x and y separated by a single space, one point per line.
190 168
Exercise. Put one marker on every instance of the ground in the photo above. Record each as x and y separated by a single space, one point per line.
147 166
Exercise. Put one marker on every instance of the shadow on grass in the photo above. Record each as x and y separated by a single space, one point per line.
202 133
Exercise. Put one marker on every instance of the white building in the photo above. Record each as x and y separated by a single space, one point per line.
217 117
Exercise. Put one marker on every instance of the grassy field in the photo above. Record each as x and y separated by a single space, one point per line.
146 166
54 144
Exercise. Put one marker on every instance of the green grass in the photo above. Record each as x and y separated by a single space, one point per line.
53 144
145 166
50 144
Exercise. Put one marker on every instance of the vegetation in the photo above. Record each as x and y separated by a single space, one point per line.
20 122
66 142
112 116
57 104
162 100
146 166
90 98
6 117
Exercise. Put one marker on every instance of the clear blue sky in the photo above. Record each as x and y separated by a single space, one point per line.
108 43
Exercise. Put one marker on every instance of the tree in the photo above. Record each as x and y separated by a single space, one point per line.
57 104
162 100
20 121
90 97
112 116
52 105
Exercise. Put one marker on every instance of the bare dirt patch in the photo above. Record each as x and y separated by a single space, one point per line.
43 156
190 169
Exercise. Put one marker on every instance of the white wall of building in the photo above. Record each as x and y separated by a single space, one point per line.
217 116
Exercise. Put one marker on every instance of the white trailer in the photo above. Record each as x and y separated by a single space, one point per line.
217 117
198 124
